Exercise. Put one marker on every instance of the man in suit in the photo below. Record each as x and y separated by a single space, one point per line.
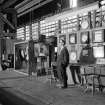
62 63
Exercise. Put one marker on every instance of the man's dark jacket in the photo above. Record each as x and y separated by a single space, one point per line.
62 61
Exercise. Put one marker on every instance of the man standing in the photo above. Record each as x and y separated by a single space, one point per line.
62 63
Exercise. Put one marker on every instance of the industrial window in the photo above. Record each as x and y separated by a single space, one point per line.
27 29
35 31
69 25
20 33
48 29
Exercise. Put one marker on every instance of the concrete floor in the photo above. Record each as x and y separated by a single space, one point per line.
23 90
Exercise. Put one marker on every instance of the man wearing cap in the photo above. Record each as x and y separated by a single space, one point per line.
62 63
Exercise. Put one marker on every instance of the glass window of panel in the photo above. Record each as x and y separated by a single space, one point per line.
20 33
27 32
35 31
48 29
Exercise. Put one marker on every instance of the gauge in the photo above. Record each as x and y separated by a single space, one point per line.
73 56
84 24
84 38
72 39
